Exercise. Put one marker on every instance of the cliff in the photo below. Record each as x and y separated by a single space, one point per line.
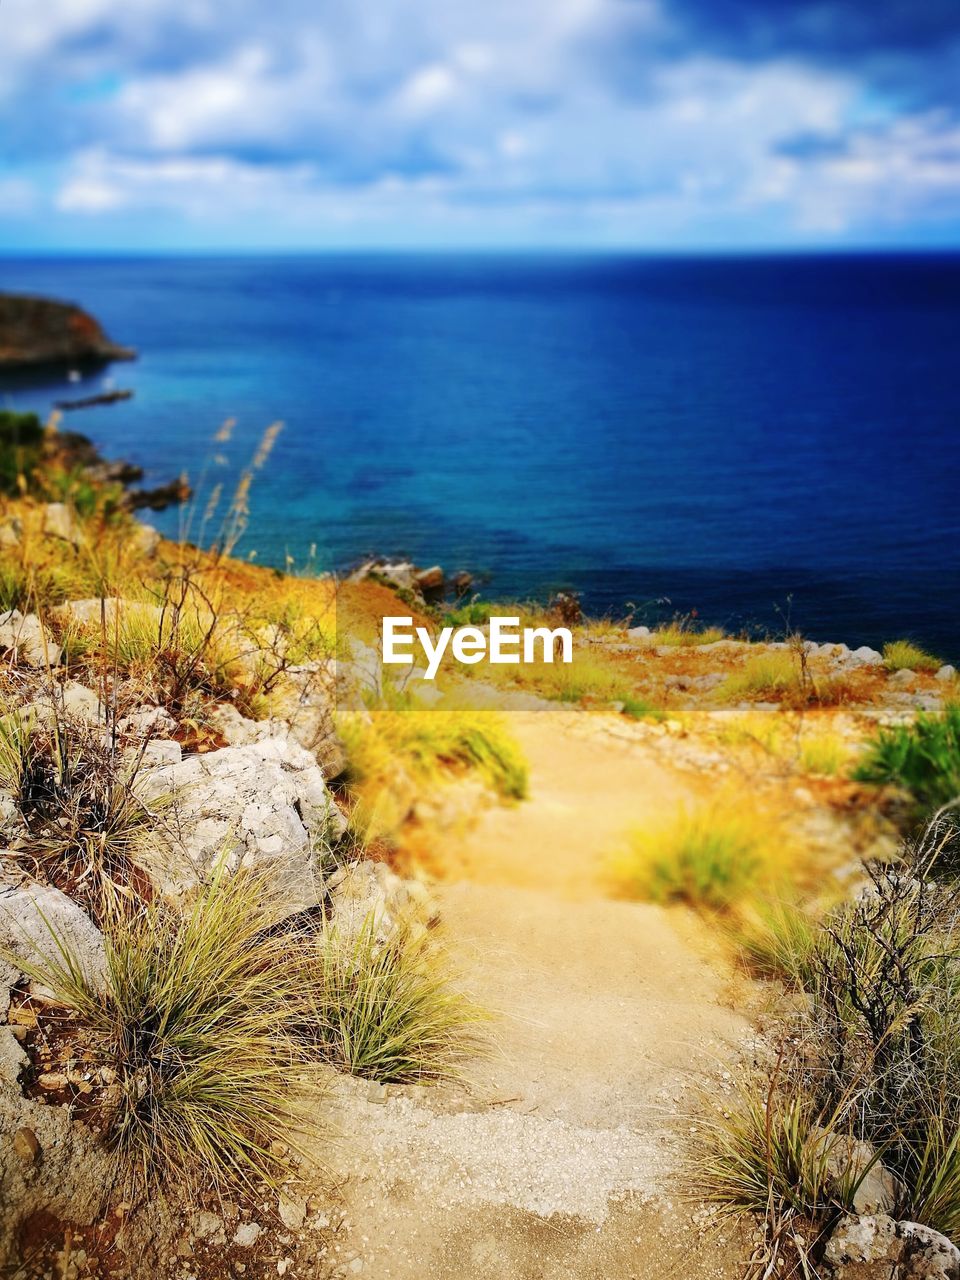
39 331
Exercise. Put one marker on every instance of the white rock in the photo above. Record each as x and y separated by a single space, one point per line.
25 637
946 673
34 919
369 894
292 1210
866 657
146 539
247 1234
638 633
60 522
904 678
257 805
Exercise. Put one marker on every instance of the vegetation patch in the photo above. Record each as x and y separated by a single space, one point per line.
708 858
191 1027
903 655
384 1009
923 758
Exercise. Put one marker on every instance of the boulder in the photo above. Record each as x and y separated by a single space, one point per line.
370 891
865 657
11 532
261 805
927 1255
146 539
23 635
904 678
35 920
639 633
863 1248
308 725
946 673
851 1160
59 521
875 1247
429 581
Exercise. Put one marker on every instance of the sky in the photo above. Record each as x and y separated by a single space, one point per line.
683 125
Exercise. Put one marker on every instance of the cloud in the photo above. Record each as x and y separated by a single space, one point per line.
701 120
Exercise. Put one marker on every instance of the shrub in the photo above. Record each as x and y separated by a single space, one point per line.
583 679
824 753
428 742
192 1022
395 752
902 655
641 709
872 1058
706 858
85 828
384 1009
923 758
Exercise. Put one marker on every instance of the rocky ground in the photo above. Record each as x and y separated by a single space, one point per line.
559 1155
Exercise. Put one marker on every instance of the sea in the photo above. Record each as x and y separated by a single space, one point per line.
758 442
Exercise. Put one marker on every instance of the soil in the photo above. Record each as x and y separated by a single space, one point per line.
560 1158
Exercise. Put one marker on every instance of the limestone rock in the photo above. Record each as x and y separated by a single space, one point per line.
370 892
259 805
927 1255
35 918
906 679
865 657
23 635
946 673
146 539
59 521
863 1248
875 1247
849 1160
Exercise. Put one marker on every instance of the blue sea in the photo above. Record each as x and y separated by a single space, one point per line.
740 438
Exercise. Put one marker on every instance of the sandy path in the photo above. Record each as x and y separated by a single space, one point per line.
557 1161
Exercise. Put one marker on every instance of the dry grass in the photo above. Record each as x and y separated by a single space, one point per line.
192 1021
385 1009
903 655
396 753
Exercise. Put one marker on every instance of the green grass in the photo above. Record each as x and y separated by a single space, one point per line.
903 655
21 449
384 1009
640 709
769 675
778 939
923 758
678 635
192 1023
705 858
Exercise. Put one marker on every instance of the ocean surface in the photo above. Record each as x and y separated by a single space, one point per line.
743 438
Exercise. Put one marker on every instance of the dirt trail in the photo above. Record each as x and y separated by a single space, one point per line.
556 1162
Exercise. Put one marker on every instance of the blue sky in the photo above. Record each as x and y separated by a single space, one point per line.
656 124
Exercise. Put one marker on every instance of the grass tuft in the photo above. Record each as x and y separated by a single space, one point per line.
706 858
191 1021
385 1010
903 655
923 758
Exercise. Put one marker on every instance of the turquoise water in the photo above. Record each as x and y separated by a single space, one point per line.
729 435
